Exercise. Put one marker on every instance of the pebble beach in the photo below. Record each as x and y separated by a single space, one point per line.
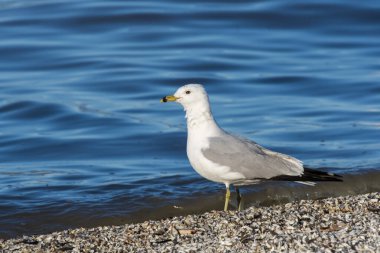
343 224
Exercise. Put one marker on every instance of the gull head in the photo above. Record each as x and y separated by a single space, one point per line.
189 96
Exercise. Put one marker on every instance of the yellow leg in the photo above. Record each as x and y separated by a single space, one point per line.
239 199
228 194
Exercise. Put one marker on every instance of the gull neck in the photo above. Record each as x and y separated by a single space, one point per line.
199 118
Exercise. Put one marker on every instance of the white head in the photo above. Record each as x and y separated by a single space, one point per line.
194 99
190 96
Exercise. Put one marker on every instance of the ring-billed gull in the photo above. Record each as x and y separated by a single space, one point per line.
224 158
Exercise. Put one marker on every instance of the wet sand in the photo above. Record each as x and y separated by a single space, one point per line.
342 224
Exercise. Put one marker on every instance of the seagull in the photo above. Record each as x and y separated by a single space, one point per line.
225 158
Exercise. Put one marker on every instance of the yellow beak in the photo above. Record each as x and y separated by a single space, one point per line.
168 99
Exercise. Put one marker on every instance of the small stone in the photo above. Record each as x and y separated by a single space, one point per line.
186 231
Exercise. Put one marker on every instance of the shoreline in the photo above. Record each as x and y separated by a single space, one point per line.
38 222
349 223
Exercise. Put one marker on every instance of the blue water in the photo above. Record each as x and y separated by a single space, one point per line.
84 140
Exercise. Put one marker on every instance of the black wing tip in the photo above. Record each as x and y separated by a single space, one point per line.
318 175
311 175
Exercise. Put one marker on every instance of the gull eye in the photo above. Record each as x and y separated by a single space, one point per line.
188 92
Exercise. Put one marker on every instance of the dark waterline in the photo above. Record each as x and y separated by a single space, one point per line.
84 140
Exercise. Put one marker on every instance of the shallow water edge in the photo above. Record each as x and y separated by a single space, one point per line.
264 194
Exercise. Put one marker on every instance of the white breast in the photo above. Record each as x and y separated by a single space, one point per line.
201 126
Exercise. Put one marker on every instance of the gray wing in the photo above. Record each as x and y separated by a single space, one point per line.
250 159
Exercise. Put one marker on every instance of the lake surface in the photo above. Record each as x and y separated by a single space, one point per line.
84 140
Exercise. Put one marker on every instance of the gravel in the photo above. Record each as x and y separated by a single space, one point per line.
343 224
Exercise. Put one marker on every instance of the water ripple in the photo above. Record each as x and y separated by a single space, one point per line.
84 140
